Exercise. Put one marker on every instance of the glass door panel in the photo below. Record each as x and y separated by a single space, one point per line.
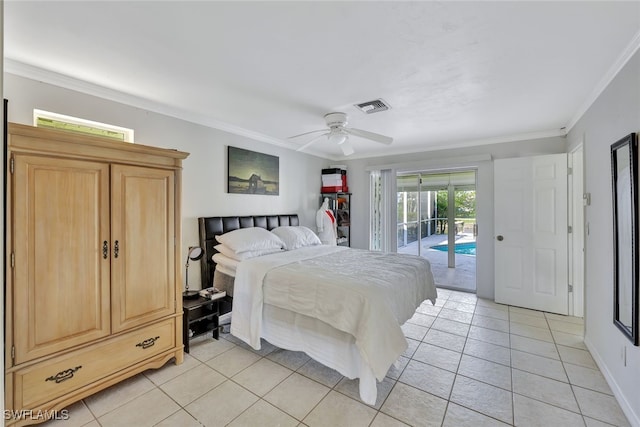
464 245
427 212
408 226
437 220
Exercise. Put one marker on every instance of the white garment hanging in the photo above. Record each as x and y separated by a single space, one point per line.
326 223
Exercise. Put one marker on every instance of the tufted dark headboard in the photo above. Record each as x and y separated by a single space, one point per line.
212 226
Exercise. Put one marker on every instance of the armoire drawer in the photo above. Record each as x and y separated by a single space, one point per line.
57 376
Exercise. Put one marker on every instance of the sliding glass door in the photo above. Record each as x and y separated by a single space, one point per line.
408 214
436 219
416 210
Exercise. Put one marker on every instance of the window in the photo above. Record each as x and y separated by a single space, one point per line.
46 119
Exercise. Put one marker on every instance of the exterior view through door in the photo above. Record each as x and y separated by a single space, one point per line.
436 219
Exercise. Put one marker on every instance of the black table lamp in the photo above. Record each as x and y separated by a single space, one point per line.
195 253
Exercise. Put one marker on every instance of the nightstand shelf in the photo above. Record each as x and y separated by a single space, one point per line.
200 316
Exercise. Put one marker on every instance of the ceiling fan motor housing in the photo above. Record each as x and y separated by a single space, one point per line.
336 120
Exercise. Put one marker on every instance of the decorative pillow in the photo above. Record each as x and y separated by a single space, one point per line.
295 237
250 239
227 251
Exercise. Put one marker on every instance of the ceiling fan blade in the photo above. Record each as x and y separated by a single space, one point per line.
347 148
312 141
370 135
307 133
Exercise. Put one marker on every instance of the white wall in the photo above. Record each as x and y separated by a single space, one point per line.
358 178
204 175
615 113
204 171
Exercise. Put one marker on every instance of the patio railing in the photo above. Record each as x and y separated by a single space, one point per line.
408 231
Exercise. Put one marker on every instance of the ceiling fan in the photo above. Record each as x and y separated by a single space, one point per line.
338 133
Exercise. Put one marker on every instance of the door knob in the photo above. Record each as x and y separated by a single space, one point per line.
500 238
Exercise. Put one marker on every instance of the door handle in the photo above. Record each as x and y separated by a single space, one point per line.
500 238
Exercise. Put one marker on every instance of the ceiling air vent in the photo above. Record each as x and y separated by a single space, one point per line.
374 106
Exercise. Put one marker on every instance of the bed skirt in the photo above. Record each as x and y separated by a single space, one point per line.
224 282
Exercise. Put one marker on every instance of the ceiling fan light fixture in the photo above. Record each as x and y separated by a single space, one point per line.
338 137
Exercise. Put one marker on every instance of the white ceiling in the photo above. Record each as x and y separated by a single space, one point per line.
454 73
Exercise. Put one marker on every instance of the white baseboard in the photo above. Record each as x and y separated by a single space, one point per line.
633 418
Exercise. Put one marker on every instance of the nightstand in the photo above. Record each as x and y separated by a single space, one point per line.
199 317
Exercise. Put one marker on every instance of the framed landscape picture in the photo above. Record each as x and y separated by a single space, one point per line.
250 172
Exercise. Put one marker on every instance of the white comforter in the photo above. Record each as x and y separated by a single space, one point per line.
366 294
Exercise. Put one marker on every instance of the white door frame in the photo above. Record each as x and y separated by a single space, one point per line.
577 238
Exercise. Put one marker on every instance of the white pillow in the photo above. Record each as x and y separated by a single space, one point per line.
223 249
250 239
296 237
225 261
225 270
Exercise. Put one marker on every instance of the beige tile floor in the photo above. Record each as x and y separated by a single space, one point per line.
470 362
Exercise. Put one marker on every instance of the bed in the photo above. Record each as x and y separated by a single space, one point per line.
343 307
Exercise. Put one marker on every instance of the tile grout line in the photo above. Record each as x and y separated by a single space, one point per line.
410 358
513 393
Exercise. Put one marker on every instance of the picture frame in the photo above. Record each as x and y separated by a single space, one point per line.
250 172
624 174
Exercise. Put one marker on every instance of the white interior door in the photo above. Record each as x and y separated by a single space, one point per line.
530 201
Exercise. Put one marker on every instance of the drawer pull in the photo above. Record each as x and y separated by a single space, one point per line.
149 342
116 249
63 375
105 249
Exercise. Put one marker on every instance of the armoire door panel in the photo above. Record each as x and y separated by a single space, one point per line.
142 221
61 280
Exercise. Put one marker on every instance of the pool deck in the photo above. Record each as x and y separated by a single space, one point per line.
462 277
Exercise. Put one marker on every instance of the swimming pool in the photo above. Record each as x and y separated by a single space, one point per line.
460 248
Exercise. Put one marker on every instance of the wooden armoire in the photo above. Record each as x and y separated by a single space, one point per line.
93 271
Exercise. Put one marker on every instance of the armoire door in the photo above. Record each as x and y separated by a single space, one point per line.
143 239
60 243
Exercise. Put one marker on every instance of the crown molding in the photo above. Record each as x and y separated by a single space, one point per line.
622 60
451 163
50 77
468 143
